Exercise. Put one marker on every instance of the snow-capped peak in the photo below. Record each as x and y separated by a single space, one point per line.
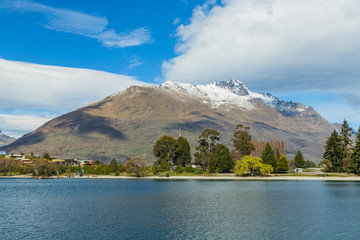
231 93
235 86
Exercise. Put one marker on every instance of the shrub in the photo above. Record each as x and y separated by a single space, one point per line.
179 169
199 170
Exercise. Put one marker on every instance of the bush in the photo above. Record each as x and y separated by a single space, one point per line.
199 170
190 169
179 169
164 166
117 174
121 167
155 168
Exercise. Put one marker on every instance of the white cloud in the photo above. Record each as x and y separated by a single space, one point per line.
134 62
34 86
75 22
271 44
177 21
18 125
37 93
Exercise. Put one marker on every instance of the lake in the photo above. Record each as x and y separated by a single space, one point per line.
178 209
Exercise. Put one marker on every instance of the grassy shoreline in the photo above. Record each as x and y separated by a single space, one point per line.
214 177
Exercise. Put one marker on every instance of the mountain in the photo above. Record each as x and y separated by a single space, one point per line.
5 140
128 123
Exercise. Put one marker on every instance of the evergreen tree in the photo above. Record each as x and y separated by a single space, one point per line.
345 136
299 159
208 139
184 155
282 164
355 158
242 141
114 164
309 164
277 154
166 149
334 152
221 161
268 156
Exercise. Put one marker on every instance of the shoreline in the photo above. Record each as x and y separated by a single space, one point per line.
216 177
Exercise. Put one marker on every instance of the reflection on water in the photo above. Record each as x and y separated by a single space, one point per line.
188 209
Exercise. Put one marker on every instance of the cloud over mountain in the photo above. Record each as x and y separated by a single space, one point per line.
45 91
283 45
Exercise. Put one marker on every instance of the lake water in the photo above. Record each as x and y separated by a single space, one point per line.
169 209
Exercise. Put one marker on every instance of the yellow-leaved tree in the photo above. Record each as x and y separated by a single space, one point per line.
252 166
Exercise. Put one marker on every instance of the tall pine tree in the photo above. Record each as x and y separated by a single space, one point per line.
268 156
355 158
184 155
334 152
345 135
299 159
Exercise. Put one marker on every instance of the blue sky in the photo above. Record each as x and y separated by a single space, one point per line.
293 49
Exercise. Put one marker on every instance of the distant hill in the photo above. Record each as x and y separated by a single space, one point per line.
129 123
5 140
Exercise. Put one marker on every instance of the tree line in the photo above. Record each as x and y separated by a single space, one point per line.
214 157
44 166
342 154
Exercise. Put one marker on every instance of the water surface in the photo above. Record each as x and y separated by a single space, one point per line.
178 209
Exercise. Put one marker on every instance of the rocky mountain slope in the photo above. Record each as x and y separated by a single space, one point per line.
5 140
128 123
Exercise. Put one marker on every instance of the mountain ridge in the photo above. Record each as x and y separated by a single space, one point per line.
129 122
5 139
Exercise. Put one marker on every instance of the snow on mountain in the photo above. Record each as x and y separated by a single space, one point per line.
233 93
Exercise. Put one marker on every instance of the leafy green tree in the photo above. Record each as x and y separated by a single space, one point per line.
282 164
121 168
136 165
113 164
208 139
309 164
334 152
183 155
221 161
268 156
44 167
155 168
11 166
299 159
89 170
355 157
242 141
46 156
166 149
164 166
179 169
252 166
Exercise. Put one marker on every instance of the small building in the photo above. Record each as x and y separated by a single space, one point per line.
26 161
71 162
3 153
193 165
59 161
15 156
86 162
